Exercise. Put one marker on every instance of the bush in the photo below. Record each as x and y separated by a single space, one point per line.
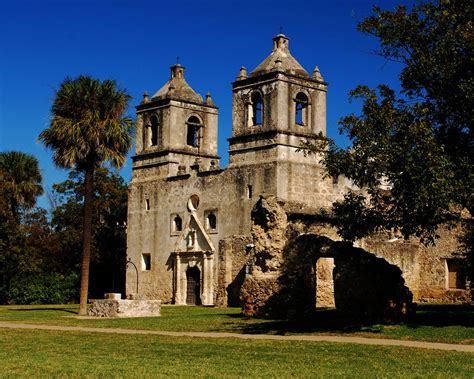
44 289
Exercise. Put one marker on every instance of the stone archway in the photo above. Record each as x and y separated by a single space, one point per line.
284 279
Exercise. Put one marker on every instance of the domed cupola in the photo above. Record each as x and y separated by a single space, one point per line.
177 87
280 59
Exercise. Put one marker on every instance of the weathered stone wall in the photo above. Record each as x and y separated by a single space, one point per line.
230 193
397 268
325 297
289 241
233 259
424 268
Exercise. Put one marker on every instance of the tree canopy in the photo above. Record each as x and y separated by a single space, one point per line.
21 179
411 152
88 128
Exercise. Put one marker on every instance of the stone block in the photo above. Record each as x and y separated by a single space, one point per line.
124 308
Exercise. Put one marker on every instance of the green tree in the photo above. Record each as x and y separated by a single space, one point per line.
20 185
88 128
35 275
413 152
21 179
108 219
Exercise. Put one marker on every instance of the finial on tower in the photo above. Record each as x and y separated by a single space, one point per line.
317 74
280 42
145 98
242 74
177 71
209 99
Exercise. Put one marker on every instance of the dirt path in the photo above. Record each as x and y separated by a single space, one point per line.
341 339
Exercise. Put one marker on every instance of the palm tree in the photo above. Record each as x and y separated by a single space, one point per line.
21 179
88 127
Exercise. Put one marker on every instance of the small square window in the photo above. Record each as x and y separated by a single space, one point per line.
146 262
456 278
176 224
211 220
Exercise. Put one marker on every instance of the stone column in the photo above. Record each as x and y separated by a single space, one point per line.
139 140
178 280
319 112
210 265
309 115
205 280
325 282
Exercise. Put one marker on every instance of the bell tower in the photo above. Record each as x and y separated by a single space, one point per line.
275 108
175 129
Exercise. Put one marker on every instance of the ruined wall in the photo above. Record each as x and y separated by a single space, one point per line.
375 280
234 253
424 268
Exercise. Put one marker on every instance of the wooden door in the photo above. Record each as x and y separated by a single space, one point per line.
193 290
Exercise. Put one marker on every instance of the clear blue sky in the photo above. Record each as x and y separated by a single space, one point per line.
135 43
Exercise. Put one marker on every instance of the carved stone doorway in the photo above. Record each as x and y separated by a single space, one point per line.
193 291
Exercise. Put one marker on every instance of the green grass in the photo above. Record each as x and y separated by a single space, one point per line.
34 353
436 323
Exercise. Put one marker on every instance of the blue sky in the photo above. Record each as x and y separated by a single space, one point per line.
135 43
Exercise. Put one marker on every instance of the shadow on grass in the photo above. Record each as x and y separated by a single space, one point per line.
332 321
327 320
43 310
443 315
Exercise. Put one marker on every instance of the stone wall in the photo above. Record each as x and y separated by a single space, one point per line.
424 267
232 264
375 280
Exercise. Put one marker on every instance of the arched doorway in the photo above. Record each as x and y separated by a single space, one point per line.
193 291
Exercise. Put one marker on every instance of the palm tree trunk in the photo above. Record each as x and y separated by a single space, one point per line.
86 238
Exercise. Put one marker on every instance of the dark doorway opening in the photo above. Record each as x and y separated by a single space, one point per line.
193 291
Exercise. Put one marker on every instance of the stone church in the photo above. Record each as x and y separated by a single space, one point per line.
189 220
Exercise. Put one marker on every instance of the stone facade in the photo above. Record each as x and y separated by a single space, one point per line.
190 228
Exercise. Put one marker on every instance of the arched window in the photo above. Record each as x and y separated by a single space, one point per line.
301 111
154 131
211 221
257 108
193 135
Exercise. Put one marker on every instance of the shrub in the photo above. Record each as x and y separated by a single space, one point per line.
44 289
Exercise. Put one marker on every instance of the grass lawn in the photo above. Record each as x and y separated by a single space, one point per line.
437 323
34 353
